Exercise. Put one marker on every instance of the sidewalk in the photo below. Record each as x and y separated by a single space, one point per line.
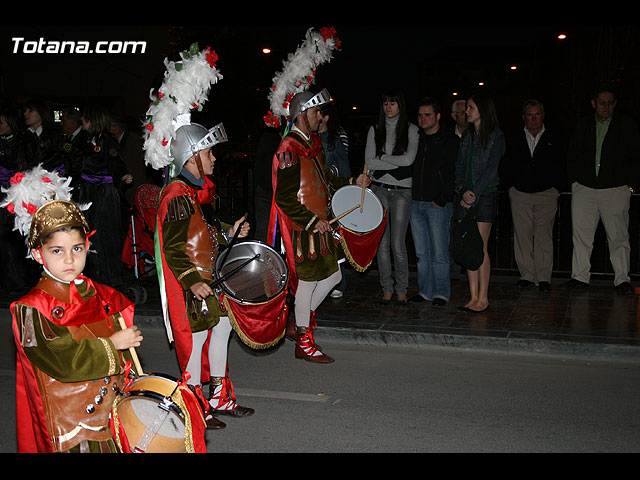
595 322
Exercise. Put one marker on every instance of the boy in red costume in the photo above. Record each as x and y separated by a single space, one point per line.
70 361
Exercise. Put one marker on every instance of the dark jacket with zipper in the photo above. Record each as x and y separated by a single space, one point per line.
434 167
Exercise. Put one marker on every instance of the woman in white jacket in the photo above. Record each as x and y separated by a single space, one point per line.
390 151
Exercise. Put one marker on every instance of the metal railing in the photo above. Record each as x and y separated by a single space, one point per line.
236 197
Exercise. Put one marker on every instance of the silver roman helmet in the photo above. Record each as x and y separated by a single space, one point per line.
305 100
189 139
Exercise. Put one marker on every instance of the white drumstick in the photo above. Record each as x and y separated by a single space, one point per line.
132 350
340 216
363 187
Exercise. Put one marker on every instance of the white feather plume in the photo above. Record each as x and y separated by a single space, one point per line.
299 71
30 190
185 87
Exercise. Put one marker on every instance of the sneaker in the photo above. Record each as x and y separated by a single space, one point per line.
336 294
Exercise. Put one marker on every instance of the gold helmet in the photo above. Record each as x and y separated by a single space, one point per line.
53 216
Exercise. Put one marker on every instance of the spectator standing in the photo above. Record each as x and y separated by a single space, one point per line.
602 166
432 204
74 139
459 117
389 153
18 273
533 172
103 171
477 179
42 140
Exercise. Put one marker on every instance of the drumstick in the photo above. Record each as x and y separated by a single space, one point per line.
132 351
363 187
340 216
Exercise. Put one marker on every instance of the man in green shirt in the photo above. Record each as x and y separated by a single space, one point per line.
602 166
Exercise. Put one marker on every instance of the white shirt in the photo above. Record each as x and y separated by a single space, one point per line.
531 140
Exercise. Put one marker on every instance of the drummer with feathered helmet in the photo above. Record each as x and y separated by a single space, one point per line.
71 351
188 233
302 186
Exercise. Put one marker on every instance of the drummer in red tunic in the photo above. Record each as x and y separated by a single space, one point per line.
302 185
70 360
188 235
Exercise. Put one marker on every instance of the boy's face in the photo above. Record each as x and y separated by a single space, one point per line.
64 254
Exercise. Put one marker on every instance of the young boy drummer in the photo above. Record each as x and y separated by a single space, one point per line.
70 361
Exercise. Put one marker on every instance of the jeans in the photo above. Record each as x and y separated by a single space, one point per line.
398 206
431 231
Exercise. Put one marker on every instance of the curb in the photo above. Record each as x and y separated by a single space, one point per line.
570 345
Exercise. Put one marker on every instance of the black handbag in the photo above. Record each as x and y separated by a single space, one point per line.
467 245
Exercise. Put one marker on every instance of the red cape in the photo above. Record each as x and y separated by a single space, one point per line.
31 426
172 289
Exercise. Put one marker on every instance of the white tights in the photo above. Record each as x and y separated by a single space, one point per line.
218 347
310 295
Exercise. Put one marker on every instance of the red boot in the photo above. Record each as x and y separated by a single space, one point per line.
212 422
222 400
307 349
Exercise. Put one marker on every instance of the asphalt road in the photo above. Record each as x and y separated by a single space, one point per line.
377 399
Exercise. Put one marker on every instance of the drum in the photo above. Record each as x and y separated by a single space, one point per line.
253 278
360 220
252 272
361 229
156 414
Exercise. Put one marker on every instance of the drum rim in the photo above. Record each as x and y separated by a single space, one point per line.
156 396
236 297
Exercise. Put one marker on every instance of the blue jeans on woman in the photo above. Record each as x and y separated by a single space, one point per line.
431 232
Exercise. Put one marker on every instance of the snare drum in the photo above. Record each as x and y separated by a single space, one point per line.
156 414
360 231
254 293
357 221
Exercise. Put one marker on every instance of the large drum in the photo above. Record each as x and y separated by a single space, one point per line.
156 414
253 279
360 220
362 228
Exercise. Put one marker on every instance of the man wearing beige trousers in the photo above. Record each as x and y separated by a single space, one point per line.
533 171
603 163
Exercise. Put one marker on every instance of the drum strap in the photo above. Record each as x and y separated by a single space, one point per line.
154 426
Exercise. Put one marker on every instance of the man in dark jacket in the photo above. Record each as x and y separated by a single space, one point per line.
602 165
432 195
533 171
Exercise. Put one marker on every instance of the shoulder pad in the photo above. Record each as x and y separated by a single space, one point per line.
286 159
179 208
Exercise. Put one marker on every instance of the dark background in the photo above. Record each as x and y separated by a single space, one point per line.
424 52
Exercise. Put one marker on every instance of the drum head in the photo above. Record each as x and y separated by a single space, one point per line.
348 197
258 281
140 412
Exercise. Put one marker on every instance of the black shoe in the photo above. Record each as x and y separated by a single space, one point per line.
438 302
417 299
625 288
524 283
544 287
574 284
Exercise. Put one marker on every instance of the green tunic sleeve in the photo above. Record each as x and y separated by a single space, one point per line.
62 357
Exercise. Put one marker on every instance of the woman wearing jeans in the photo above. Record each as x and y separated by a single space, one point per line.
390 151
481 148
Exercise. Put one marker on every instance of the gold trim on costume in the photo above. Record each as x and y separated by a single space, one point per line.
185 273
246 340
112 360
